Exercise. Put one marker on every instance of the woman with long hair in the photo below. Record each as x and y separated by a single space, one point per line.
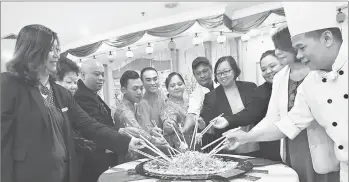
37 115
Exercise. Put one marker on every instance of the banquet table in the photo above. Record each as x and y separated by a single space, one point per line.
270 173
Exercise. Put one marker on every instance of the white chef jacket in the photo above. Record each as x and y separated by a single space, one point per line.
196 98
326 101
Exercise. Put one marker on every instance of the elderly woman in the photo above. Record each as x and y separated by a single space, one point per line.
67 74
37 115
175 112
233 98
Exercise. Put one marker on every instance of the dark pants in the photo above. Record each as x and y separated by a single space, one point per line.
95 163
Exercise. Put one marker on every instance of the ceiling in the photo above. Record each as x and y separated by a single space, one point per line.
81 23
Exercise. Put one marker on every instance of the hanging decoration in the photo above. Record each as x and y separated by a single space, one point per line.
196 40
149 50
129 53
221 38
110 57
172 45
340 16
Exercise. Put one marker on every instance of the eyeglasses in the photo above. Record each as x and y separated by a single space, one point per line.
225 73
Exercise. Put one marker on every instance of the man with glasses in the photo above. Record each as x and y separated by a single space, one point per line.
202 70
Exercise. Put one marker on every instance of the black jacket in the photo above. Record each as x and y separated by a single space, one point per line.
26 138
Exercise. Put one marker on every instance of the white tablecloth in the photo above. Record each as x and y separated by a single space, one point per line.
276 173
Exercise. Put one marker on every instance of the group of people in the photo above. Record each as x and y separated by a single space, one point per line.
55 127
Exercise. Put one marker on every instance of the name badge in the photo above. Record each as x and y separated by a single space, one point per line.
64 109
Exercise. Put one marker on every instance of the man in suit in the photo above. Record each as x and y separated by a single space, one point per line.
92 79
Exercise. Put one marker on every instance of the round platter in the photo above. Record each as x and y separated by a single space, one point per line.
242 167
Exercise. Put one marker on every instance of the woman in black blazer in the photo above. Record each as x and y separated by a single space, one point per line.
37 115
270 65
236 100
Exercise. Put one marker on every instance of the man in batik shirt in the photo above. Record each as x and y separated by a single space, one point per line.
125 114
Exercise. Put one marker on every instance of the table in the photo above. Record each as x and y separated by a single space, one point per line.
271 173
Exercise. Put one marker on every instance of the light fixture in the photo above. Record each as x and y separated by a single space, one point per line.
272 30
129 53
79 63
149 50
221 38
245 37
172 45
94 56
340 16
196 40
110 57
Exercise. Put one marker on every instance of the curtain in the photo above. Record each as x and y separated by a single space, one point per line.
171 30
211 22
245 24
84 51
125 40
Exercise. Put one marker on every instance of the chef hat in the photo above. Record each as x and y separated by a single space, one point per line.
305 17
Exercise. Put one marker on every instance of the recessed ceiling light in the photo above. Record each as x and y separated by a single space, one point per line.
171 5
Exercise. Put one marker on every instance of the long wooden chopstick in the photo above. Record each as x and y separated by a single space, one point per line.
217 150
159 152
219 145
174 129
215 141
211 124
150 156
194 134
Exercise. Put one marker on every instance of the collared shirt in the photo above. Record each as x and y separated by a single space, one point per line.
327 102
196 98
126 113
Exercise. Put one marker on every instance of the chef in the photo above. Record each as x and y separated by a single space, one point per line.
323 95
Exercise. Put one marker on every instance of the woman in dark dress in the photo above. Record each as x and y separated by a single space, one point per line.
270 65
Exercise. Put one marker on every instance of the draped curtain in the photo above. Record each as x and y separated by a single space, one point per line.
241 25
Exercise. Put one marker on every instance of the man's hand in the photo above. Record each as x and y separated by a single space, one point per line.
201 122
220 123
235 137
136 143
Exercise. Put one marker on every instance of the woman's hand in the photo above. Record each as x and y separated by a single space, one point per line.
220 123
136 143
235 137
168 128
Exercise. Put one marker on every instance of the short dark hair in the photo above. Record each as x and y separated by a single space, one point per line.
316 34
199 61
232 63
282 39
128 75
170 76
147 69
65 66
267 53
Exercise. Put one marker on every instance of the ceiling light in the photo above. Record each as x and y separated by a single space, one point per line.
221 38
149 50
196 40
129 53
245 37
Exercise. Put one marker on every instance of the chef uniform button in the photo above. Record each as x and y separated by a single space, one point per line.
324 80
341 72
340 147
346 96
334 124
329 101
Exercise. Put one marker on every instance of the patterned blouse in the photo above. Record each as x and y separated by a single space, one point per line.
176 111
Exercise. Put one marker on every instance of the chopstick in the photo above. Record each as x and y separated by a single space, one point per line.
150 156
217 150
215 141
211 124
180 130
194 134
155 149
218 146
174 129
